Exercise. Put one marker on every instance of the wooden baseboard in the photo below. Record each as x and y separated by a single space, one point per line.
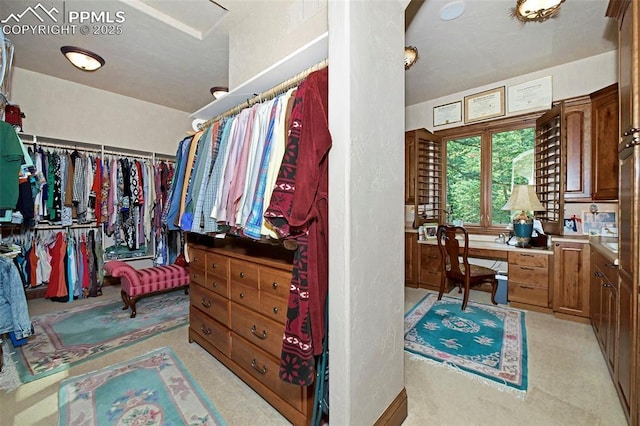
396 412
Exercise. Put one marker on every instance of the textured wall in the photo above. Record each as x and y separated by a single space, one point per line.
61 109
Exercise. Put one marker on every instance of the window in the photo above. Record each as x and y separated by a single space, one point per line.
483 162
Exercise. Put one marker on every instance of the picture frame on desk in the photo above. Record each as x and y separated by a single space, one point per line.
430 231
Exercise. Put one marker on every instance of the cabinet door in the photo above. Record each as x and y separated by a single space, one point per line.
595 301
411 259
610 317
626 341
571 273
577 130
409 167
604 143
430 266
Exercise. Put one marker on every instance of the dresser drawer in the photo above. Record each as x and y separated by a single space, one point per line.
246 296
273 307
275 282
266 369
257 329
197 276
210 303
531 295
198 258
218 265
528 259
529 275
429 277
212 331
243 272
218 284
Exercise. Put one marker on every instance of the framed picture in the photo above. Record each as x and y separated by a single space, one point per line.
430 231
484 105
447 114
600 223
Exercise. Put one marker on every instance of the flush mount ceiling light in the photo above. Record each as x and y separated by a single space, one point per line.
82 59
452 10
219 91
536 10
410 56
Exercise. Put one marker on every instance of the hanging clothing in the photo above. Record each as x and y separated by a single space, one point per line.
299 210
11 158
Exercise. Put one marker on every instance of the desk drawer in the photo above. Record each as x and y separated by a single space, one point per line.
218 284
429 277
196 276
529 259
212 331
246 296
197 258
210 303
273 307
529 275
531 295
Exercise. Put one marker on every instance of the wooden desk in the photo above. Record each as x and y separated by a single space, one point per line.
529 272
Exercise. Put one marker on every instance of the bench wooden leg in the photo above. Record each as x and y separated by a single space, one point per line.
125 299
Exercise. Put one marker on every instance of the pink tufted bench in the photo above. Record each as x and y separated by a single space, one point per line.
137 283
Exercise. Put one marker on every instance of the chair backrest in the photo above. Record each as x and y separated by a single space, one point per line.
449 241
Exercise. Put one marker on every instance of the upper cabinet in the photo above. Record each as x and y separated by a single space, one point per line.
423 175
604 143
577 133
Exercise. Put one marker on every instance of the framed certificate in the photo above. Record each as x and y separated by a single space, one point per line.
484 105
447 114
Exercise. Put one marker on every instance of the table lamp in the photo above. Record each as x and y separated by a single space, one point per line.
523 198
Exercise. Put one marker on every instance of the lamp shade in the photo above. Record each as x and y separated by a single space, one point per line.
523 197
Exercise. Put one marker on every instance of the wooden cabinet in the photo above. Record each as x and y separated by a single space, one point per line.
529 279
571 278
577 136
627 14
550 169
604 305
423 175
411 259
604 143
430 268
238 310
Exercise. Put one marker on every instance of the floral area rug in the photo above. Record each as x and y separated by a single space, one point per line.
77 334
153 389
485 340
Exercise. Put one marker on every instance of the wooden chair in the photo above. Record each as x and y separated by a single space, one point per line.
461 272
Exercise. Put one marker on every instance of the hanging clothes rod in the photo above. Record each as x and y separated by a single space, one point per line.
129 154
268 94
38 143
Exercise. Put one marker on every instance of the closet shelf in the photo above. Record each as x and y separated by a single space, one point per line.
298 61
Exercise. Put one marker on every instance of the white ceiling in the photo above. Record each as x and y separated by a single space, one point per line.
172 52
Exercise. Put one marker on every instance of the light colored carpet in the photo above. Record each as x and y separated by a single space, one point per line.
569 383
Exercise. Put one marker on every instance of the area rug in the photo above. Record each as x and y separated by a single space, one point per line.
9 379
152 389
486 341
77 334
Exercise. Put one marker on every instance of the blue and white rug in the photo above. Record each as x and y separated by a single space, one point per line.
486 340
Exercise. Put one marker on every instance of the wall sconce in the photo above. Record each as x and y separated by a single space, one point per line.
410 56
218 91
82 59
536 10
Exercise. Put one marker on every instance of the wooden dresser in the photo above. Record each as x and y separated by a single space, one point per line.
239 296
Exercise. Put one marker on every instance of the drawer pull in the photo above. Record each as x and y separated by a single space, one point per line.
242 274
196 259
527 287
274 285
262 370
525 255
254 331
206 303
526 268
275 310
214 266
242 295
195 276
215 284
205 330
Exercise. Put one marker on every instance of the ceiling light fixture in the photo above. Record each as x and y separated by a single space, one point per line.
452 10
410 56
219 91
82 59
536 10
